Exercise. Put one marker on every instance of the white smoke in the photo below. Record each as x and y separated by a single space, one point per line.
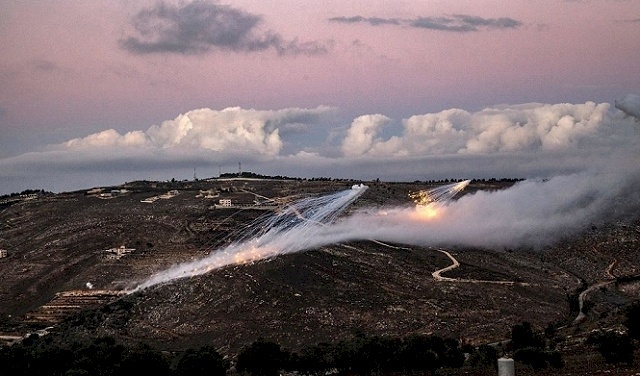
293 229
531 214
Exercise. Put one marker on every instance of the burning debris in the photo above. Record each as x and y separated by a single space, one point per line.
290 230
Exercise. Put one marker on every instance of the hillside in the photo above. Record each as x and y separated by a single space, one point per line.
75 252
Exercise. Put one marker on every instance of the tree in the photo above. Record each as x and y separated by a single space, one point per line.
522 335
262 358
484 356
631 321
614 347
422 353
143 360
535 357
315 359
203 361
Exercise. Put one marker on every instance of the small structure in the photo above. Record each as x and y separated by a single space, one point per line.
506 367
169 194
225 202
150 200
208 194
118 253
3 253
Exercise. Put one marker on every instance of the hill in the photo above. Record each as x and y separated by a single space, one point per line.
71 255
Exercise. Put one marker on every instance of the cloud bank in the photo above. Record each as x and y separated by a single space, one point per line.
522 141
523 128
458 23
199 27
226 131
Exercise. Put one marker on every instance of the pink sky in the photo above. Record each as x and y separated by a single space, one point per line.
65 73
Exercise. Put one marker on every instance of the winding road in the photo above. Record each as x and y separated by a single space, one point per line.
437 275
583 295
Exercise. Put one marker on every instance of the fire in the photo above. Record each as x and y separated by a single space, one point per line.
431 203
250 255
427 211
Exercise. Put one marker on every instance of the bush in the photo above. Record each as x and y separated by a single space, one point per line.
522 336
262 358
484 357
632 322
534 357
203 361
614 347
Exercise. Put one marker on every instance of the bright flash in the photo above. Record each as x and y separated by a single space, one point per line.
252 254
430 204
428 211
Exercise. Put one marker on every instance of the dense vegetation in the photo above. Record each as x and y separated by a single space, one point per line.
360 355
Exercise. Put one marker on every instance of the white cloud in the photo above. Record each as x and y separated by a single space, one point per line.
108 138
522 128
233 130
530 140
361 136
630 105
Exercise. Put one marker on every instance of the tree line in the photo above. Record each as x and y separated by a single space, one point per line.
361 355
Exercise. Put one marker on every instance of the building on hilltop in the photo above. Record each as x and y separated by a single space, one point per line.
225 202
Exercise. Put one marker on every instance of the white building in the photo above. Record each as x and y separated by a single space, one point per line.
3 253
225 202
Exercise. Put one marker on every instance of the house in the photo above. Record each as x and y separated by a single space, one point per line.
3 253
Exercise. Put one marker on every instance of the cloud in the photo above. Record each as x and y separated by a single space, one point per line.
373 21
361 136
232 130
630 105
44 65
199 27
522 141
501 129
459 23
630 20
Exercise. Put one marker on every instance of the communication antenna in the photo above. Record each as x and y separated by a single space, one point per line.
239 168
194 174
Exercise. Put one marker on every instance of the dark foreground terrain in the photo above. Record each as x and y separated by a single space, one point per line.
70 256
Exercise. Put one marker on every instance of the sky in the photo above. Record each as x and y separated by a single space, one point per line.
102 92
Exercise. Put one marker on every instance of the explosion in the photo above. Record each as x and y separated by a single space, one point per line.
430 203
292 229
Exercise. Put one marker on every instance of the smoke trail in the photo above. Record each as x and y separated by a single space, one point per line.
292 229
531 214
